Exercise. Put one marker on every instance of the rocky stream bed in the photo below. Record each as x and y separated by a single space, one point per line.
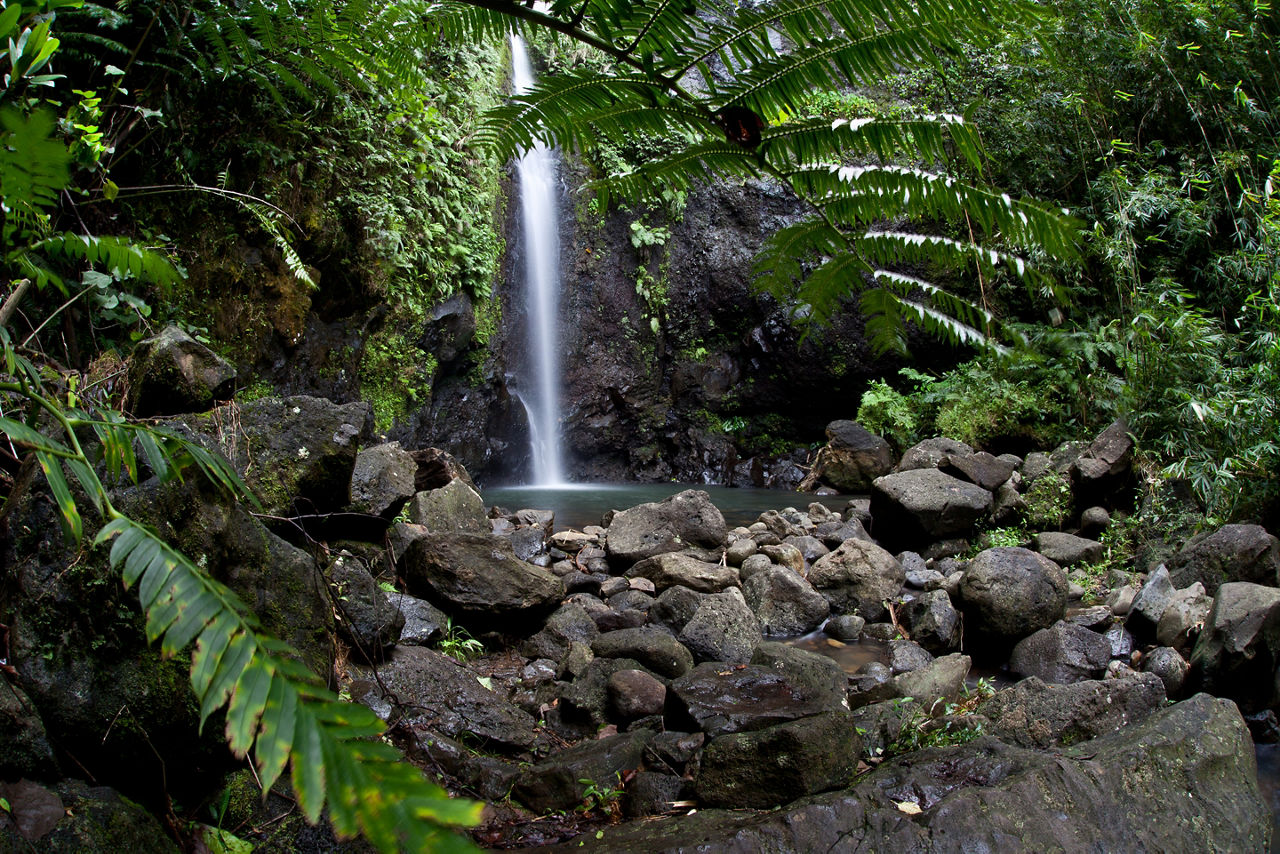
637 690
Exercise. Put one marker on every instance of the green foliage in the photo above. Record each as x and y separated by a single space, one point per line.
890 414
395 376
602 797
457 643
944 724
844 247
274 708
1048 499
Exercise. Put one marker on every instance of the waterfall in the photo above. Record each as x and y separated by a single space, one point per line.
540 239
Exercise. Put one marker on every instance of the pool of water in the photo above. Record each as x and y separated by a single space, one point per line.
579 505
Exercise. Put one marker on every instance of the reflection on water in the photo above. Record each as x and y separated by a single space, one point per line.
1269 782
579 505
851 656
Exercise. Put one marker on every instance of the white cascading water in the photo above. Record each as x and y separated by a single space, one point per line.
540 238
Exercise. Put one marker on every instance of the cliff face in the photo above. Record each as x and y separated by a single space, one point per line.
688 375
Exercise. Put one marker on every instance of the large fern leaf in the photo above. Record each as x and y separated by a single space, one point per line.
732 82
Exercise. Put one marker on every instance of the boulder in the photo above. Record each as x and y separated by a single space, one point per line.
76 817
569 623
1170 667
719 700
1068 549
1038 715
1008 593
479 579
1061 654
1149 604
723 628
26 753
1238 652
931 453
437 693
815 674
1231 553
382 479
776 765
858 576
978 468
685 519
367 620
941 678
635 694
296 454
424 623
675 607
172 373
1105 464
560 782
852 457
790 556
785 603
905 656
1184 780
918 506
454 508
670 569
654 648
932 621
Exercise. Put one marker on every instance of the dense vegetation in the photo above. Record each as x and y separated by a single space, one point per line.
239 169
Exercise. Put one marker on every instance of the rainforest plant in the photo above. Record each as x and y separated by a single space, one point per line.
734 83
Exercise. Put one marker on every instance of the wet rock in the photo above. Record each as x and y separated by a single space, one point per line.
1237 653
454 508
787 555
1105 464
528 543
368 621
439 694
1121 641
785 603
740 550
1008 593
1181 621
569 623
655 648
941 678
719 699
845 627
778 764
479 579
676 750
832 537
584 704
685 519
873 683
978 468
1095 617
930 453
612 620
905 656
1068 549
852 457
1094 520
652 793
75 817
932 621
172 373
816 674
573 541
382 479
561 781
1038 715
1008 506
675 607
1183 780
635 694
722 629
1231 553
629 599
296 454
1061 654
1169 665
1149 604
1120 600
922 505
858 576
667 570
753 565
489 777
26 745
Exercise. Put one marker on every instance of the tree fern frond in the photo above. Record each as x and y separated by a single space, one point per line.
121 256
929 139
681 171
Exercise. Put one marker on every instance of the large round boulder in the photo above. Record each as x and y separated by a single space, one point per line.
858 576
852 458
785 603
910 508
685 519
1008 593
479 579
1231 553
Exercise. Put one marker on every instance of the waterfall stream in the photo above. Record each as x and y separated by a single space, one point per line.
536 171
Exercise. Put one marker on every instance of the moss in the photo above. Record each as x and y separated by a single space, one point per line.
395 377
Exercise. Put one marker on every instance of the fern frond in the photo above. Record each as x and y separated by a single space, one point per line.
278 711
121 256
